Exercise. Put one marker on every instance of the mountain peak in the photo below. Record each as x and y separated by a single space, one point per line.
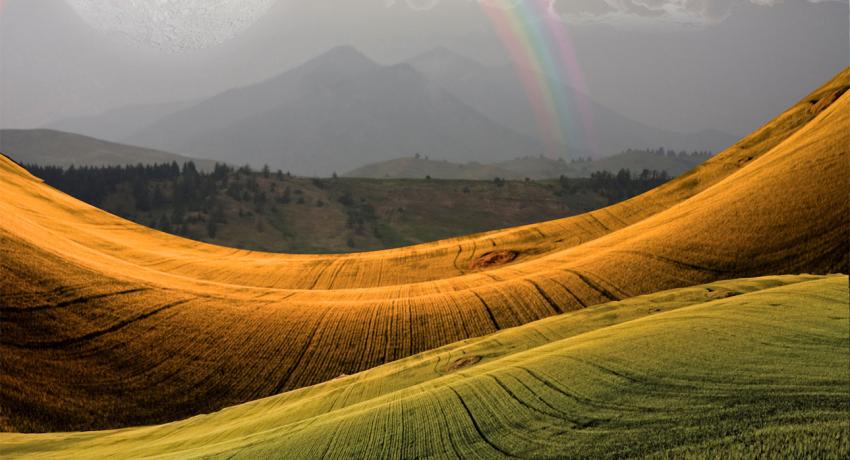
344 53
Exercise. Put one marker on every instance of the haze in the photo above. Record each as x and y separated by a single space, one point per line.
714 72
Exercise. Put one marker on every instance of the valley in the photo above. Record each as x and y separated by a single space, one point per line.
423 229
129 326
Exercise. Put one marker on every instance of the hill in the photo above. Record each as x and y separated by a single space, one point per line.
282 213
613 381
57 148
418 167
334 113
535 167
130 326
636 161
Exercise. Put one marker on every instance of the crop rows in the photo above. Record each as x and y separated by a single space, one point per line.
106 324
759 373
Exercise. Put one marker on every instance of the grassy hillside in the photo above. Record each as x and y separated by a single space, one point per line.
280 213
130 326
419 168
535 167
50 147
744 368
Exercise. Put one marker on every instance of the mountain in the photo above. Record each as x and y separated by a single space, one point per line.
341 110
130 326
55 148
334 113
497 93
534 167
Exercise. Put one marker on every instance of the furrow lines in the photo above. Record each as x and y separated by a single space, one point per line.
478 427
95 334
546 297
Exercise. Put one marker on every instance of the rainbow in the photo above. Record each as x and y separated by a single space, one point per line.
543 54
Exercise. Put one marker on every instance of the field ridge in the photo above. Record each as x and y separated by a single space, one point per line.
579 385
249 325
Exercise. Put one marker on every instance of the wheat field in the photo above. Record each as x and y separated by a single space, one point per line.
742 368
106 324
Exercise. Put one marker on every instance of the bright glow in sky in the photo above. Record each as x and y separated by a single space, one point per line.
173 25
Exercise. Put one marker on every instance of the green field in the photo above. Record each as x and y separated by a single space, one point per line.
744 368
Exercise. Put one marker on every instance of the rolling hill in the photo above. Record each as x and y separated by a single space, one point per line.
276 212
130 326
418 168
612 381
532 167
57 148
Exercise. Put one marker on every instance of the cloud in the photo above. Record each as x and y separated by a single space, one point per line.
703 11
418 5
699 10
707 11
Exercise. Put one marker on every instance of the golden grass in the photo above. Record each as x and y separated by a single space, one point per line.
758 371
109 324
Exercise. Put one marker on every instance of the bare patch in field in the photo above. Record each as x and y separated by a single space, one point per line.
716 294
464 362
818 106
493 259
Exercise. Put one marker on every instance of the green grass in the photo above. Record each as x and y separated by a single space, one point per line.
745 368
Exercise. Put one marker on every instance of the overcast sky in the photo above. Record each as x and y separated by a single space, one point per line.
684 65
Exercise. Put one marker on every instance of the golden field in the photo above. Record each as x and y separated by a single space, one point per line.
750 368
107 324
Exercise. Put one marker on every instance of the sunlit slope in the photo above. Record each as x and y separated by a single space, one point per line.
753 368
111 236
128 326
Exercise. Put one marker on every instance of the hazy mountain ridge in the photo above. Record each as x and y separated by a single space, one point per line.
341 110
497 93
335 113
119 124
56 148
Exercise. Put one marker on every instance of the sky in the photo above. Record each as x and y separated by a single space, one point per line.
683 65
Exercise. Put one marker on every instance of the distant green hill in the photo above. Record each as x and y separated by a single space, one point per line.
58 148
752 368
277 212
534 167
420 168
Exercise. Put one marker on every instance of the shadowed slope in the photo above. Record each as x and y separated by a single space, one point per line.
686 372
127 325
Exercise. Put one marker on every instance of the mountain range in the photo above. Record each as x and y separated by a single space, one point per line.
341 110
498 93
